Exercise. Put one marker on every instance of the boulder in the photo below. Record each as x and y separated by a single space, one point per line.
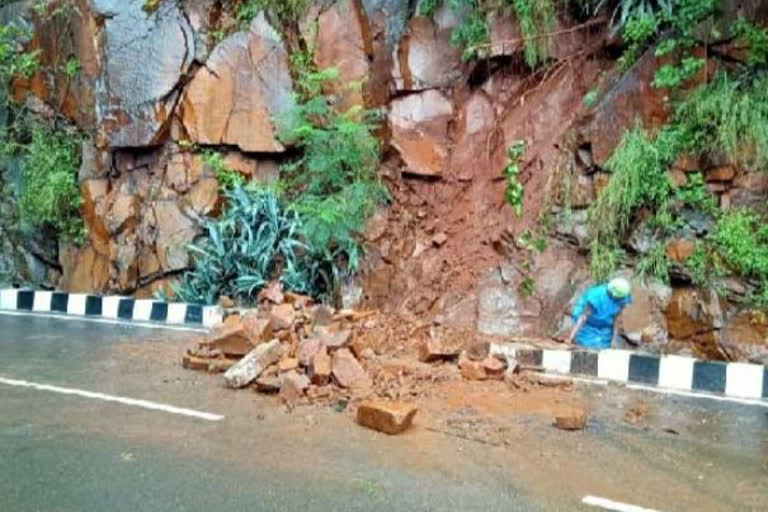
250 367
426 58
503 309
494 367
388 417
244 86
347 370
643 322
695 316
419 125
282 316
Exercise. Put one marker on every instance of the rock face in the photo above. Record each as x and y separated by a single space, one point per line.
419 124
136 102
426 58
344 42
745 337
244 86
696 316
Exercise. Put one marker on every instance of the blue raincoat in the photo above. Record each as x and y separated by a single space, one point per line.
597 331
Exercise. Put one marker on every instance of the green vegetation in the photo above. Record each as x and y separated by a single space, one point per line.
306 229
515 191
536 18
255 240
228 178
654 265
50 196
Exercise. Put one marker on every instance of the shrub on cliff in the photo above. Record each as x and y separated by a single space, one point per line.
256 239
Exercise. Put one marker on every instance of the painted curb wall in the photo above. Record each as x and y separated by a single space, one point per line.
679 373
110 307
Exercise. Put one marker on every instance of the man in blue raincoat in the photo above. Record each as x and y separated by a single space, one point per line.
596 312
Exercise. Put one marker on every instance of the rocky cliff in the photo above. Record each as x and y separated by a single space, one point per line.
153 82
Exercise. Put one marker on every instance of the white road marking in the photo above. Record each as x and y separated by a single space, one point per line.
617 506
146 404
100 320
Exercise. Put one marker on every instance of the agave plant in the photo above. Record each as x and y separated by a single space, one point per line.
255 241
624 10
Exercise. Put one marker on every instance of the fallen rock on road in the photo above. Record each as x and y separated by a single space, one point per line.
574 418
250 367
388 417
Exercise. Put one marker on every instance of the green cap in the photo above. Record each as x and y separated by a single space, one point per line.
619 288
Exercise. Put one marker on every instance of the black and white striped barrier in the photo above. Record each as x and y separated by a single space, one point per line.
110 307
678 373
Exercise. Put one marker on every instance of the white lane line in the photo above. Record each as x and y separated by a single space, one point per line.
617 506
146 404
100 320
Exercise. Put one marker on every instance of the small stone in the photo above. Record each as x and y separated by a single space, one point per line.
347 370
252 365
571 419
220 365
272 293
292 386
282 316
687 163
320 369
388 417
308 348
471 370
288 364
433 350
368 354
494 367
321 315
439 239
268 384
334 340
722 173
257 328
189 362
226 302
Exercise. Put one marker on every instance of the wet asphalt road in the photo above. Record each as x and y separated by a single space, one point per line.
63 453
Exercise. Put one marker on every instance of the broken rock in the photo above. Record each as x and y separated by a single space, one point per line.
388 417
268 384
292 386
273 293
347 370
574 418
494 367
282 316
433 350
231 340
250 367
471 370
189 362
258 329
321 368
334 340
288 364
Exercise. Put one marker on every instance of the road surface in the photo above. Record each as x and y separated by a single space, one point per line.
68 448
